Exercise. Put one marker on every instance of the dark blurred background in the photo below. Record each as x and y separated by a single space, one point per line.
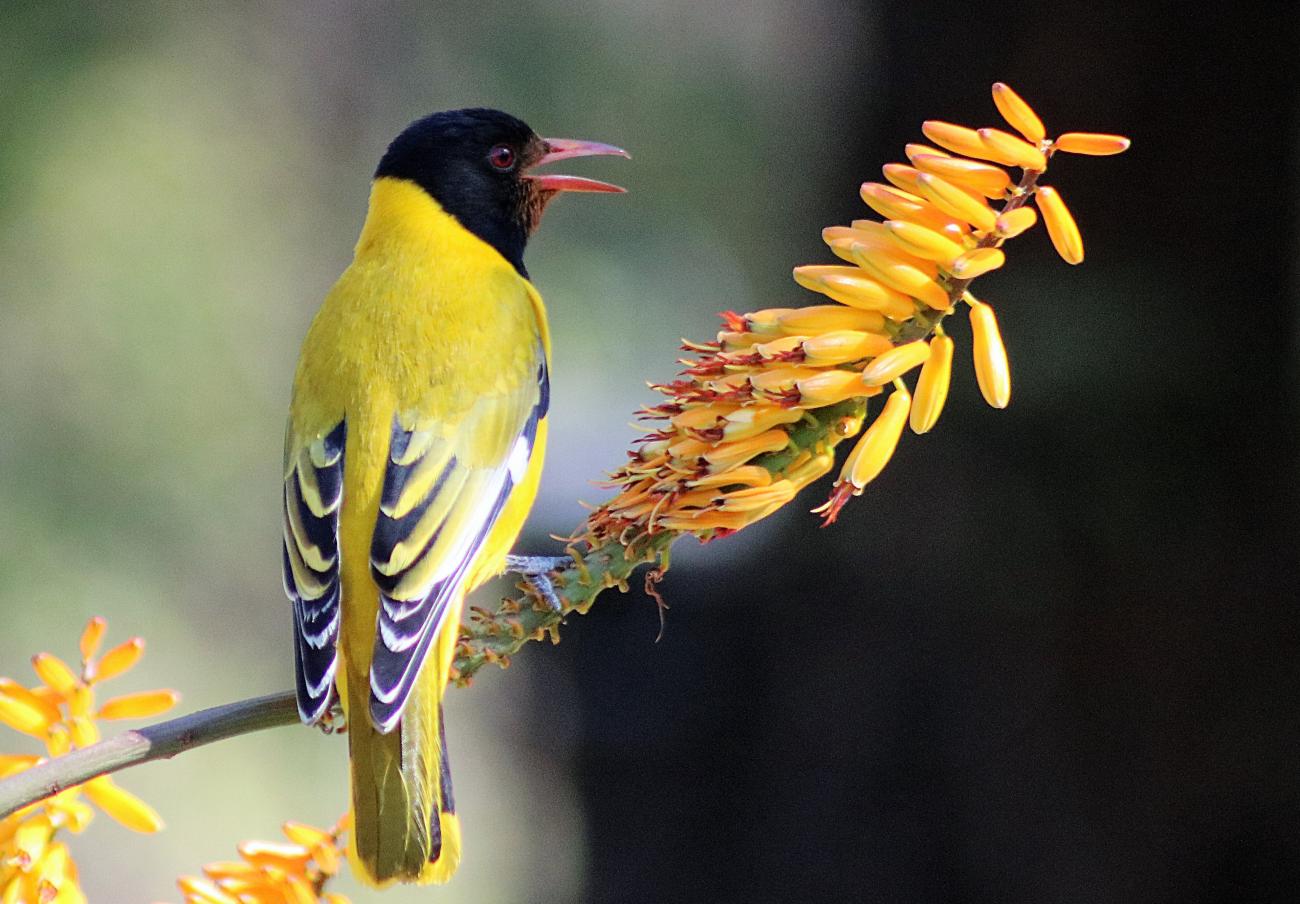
1049 656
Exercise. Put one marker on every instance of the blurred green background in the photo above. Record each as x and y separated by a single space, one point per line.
1048 657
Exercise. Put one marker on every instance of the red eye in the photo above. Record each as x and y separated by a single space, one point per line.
502 157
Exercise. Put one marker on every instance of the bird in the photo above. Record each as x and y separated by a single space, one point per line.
412 456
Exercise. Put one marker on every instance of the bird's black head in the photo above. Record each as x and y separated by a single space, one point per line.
475 164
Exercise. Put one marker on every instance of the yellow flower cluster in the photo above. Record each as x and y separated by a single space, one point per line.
730 451
61 712
271 872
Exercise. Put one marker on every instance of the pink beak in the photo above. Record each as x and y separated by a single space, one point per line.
563 149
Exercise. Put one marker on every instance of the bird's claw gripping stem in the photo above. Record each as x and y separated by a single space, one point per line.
536 572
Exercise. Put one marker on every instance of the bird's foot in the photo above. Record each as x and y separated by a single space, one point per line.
536 572
333 720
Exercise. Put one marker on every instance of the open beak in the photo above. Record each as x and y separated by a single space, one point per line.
563 149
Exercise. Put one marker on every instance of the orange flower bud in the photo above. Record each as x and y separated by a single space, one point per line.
829 387
958 139
1007 148
1061 227
140 705
745 475
123 806
984 178
956 203
894 363
850 286
55 673
725 456
1018 114
901 176
991 369
778 347
203 891
877 444
1014 222
1093 143
21 715
977 262
893 204
84 731
91 637
119 659
903 277
932 385
843 346
758 499
821 318
751 421
922 242
916 150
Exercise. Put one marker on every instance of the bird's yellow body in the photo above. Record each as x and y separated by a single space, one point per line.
412 456
431 332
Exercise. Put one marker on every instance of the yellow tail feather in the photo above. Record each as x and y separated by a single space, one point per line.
400 783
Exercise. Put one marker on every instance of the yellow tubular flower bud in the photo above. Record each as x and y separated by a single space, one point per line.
307 836
842 240
725 456
776 347
829 387
988 180
850 286
903 277
843 346
84 732
932 385
140 705
23 716
893 204
958 139
753 499
817 319
877 445
894 363
765 322
92 636
1018 114
123 806
991 369
1061 227
745 475
701 418
731 341
55 673
873 228
1007 148
915 150
779 379
977 262
119 659
756 419
923 243
901 175
1014 222
1093 143
956 203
